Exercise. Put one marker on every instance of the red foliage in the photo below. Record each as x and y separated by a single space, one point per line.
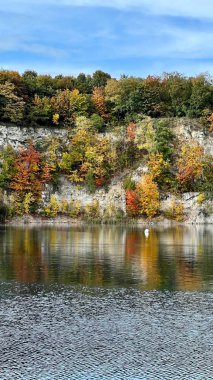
152 80
99 181
132 202
30 175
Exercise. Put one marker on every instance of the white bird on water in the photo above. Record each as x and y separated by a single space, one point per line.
146 232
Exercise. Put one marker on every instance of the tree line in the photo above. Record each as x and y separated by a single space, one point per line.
42 100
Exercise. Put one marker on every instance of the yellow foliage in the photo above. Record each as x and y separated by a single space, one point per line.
200 198
28 199
64 206
75 209
110 210
92 210
157 165
175 211
148 195
52 208
56 118
190 163
145 135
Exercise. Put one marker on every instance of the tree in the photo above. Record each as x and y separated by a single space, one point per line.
148 196
11 105
164 139
42 111
69 104
179 90
29 175
7 166
201 96
99 102
100 78
132 203
190 164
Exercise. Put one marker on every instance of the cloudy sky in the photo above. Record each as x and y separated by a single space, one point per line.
135 37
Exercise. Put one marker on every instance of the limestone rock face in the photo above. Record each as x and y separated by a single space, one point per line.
19 136
187 129
70 192
183 128
194 212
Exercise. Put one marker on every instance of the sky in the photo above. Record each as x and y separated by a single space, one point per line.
132 37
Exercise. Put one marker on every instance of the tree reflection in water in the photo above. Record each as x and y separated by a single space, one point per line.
178 258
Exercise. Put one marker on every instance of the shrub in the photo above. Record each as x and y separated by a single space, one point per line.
27 202
200 198
90 181
64 206
92 210
132 203
175 211
129 184
75 209
52 208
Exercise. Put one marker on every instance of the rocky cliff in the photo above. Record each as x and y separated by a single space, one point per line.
184 129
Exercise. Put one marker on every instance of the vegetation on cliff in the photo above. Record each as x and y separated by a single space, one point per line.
136 114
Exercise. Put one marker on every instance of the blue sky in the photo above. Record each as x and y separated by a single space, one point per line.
135 37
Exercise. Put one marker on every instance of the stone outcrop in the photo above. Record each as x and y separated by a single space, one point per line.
194 211
187 129
19 136
115 196
184 129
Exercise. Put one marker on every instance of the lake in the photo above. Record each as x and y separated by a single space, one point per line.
106 302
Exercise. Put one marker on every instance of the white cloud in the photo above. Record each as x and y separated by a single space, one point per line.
188 8
13 44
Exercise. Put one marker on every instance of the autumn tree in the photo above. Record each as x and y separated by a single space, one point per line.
11 105
148 196
190 164
41 111
132 203
68 105
29 175
99 102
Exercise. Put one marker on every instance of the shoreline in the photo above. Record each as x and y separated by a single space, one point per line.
32 220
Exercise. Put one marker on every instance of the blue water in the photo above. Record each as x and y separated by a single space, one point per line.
106 303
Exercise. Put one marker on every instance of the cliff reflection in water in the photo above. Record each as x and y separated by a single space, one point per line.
170 258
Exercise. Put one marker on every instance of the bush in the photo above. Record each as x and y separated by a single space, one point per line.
90 181
132 203
75 209
200 198
52 209
129 184
92 210
175 211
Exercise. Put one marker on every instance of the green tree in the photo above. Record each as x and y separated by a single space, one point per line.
11 105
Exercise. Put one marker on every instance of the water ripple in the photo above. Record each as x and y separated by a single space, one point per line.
77 333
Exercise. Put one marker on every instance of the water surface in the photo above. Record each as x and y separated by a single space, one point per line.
106 303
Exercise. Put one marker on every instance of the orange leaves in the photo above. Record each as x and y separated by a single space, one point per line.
99 102
132 203
131 131
148 196
190 163
30 175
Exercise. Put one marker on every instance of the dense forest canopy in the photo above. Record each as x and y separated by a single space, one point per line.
41 100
